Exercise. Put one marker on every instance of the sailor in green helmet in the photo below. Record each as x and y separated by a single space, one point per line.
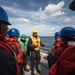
23 44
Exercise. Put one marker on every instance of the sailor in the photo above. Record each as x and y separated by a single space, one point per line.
34 44
8 65
65 64
23 44
51 58
14 34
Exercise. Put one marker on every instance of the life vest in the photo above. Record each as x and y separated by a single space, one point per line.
20 54
57 43
52 59
61 48
35 41
65 64
6 47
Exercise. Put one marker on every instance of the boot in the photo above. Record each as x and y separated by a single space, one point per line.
35 71
39 71
26 69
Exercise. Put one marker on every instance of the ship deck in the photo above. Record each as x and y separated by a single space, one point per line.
44 68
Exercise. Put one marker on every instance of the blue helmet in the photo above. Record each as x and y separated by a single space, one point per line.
67 31
72 5
57 35
13 32
3 16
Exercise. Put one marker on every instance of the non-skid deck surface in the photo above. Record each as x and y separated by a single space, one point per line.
44 68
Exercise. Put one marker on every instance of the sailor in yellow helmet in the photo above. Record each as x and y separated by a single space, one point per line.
34 45
35 40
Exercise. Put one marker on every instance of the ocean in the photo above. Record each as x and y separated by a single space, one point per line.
47 40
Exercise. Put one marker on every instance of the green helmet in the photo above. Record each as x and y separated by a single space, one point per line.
23 37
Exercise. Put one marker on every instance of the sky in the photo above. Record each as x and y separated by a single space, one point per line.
47 16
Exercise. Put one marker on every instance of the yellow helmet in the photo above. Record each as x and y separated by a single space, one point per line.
34 31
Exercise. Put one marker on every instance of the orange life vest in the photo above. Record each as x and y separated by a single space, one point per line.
57 43
59 49
20 54
6 47
65 64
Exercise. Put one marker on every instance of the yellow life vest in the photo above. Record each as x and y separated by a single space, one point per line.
35 41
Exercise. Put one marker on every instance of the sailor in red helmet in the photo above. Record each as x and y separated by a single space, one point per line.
65 65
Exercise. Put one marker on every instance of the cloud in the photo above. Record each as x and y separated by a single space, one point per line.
70 19
46 21
12 10
57 13
22 20
51 11
15 4
54 9
43 30
52 28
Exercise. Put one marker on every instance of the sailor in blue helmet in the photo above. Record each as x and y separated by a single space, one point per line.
65 64
51 56
13 32
14 35
7 61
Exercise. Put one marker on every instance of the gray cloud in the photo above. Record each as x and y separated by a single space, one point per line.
40 14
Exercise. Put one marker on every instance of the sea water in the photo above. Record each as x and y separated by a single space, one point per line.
47 40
